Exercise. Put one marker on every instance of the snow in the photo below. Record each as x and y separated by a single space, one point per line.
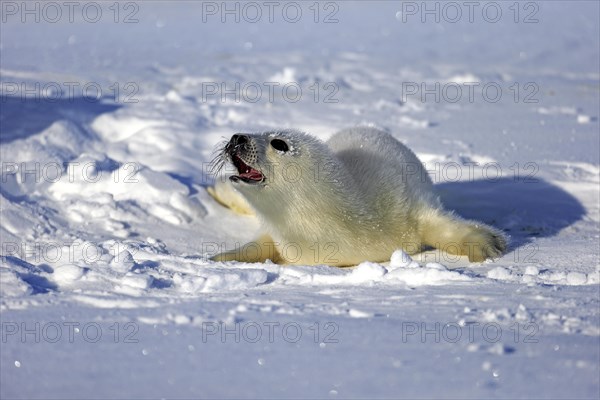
106 225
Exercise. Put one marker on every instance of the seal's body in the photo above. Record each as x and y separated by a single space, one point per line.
358 197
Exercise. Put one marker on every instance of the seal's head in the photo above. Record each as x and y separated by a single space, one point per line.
264 159
286 173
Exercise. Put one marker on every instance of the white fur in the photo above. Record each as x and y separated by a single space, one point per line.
358 197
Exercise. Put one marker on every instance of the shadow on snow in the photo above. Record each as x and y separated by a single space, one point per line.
523 209
23 117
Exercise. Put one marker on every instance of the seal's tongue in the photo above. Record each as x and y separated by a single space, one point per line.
246 172
253 175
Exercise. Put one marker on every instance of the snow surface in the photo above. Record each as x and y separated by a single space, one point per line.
106 291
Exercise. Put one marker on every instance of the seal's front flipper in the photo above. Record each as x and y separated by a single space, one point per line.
259 250
224 193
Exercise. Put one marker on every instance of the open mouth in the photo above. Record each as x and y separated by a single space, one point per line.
246 173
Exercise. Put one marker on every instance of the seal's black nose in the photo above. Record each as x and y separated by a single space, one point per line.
239 140
237 143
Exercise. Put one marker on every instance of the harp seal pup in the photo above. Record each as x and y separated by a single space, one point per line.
358 197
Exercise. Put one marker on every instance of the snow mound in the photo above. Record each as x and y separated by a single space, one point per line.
11 285
532 275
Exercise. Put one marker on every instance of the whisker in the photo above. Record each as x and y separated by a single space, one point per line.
219 159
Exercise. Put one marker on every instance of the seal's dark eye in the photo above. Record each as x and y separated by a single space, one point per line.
280 145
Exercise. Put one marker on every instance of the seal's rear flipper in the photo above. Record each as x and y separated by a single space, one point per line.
455 235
